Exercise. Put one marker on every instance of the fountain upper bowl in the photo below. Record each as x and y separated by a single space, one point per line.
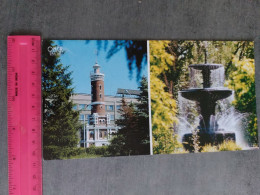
205 94
205 66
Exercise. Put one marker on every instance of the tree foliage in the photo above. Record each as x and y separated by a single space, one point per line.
163 106
60 121
242 81
133 136
136 53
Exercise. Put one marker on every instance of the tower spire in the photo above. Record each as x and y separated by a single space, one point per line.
96 52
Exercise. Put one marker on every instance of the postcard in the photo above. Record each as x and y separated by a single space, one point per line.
202 96
104 98
95 98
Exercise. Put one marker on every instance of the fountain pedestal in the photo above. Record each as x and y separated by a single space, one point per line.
207 98
205 138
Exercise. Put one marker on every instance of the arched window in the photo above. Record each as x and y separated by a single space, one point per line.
100 87
91 135
100 95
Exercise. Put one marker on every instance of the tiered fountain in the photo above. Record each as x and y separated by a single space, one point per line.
209 133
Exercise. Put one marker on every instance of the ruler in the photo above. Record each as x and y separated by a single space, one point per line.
24 115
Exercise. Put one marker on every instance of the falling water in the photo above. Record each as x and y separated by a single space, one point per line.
195 78
226 118
188 116
217 78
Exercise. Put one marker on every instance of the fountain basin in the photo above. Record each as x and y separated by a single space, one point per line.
205 66
214 138
213 94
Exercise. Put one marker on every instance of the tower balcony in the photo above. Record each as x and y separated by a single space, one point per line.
96 76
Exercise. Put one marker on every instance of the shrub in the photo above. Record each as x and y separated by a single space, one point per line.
101 150
229 146
180 151
209 148
55 152
76 152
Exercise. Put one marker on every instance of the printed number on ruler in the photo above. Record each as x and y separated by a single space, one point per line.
24 115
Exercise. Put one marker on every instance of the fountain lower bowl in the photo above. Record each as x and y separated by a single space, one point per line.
213 94
205 138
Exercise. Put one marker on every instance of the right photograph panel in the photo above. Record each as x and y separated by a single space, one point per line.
202 96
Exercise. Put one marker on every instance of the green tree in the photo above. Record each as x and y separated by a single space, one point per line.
60 121
141 113
177 76
133 136
163 106
122 141
242 81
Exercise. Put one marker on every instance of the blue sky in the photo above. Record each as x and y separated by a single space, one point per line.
81 57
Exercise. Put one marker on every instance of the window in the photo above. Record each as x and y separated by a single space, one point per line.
88 107
81 117
118 107
91 135
102 134
100 87
102 121
82 106
112 117
110 107
100 95
75 107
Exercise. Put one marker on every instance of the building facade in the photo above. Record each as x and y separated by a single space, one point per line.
99 112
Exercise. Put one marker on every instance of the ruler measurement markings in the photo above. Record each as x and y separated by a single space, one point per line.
24 123
24 115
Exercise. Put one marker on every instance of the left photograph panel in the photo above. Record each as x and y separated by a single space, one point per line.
95 98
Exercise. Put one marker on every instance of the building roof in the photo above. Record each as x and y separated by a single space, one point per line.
128 92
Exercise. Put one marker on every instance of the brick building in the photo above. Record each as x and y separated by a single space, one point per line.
98 111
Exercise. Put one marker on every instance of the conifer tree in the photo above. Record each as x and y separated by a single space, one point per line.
121 142
141 113
60 121
133 136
